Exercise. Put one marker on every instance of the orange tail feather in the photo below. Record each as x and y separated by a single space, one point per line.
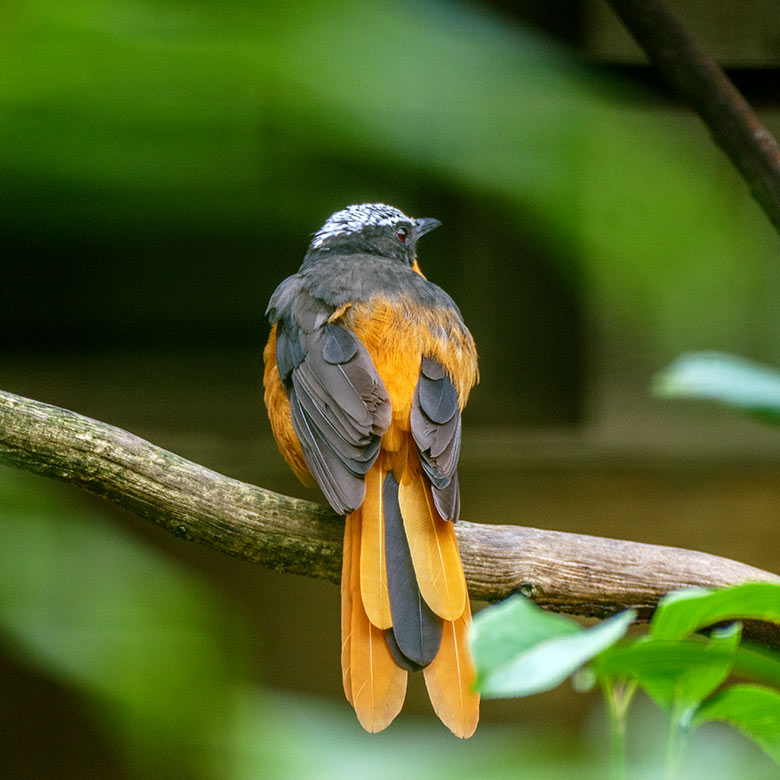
450 678
375 685
434 549
350 560
373 567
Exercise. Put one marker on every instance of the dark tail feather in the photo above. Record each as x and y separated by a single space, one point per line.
416 629
398 656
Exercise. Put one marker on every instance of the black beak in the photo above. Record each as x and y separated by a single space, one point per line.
425 225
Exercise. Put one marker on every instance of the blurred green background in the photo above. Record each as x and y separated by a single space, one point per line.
163 165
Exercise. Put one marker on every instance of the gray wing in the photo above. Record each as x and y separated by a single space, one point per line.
435 421
338 403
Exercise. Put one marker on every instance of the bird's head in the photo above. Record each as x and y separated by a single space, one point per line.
372 228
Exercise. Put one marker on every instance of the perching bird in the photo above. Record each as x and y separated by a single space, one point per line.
367 369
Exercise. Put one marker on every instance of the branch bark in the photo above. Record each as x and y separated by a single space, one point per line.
565 572
700 81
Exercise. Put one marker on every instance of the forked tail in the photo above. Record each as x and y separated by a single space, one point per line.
404 603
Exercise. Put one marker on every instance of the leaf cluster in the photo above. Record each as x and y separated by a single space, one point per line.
519 649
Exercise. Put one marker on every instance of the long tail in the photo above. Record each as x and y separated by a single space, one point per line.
404 603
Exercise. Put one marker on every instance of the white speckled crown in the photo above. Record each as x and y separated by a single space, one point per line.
353 219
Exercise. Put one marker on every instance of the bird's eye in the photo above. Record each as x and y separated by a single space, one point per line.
403 235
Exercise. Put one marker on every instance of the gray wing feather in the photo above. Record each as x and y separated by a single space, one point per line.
339 345
436 428
339 406
437 395
340 489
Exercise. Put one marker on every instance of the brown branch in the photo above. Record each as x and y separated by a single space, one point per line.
584 575
699 80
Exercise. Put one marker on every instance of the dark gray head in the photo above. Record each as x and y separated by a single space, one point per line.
374 229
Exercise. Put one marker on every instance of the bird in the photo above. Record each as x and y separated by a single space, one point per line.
368 367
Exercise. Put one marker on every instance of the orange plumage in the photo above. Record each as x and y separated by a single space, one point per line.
278 406
397 331
376 684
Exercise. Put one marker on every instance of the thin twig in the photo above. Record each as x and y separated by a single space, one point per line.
575 573
700 81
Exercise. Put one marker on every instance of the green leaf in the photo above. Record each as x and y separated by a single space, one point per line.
499 632
758 663
520 649
752 710
675 674
682 612
734 381
692 688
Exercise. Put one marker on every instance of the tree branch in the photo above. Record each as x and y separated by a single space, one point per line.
565 572
700 81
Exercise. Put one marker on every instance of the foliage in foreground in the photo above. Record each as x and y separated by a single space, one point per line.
520 649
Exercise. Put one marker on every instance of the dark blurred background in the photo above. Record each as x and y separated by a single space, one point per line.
163 165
